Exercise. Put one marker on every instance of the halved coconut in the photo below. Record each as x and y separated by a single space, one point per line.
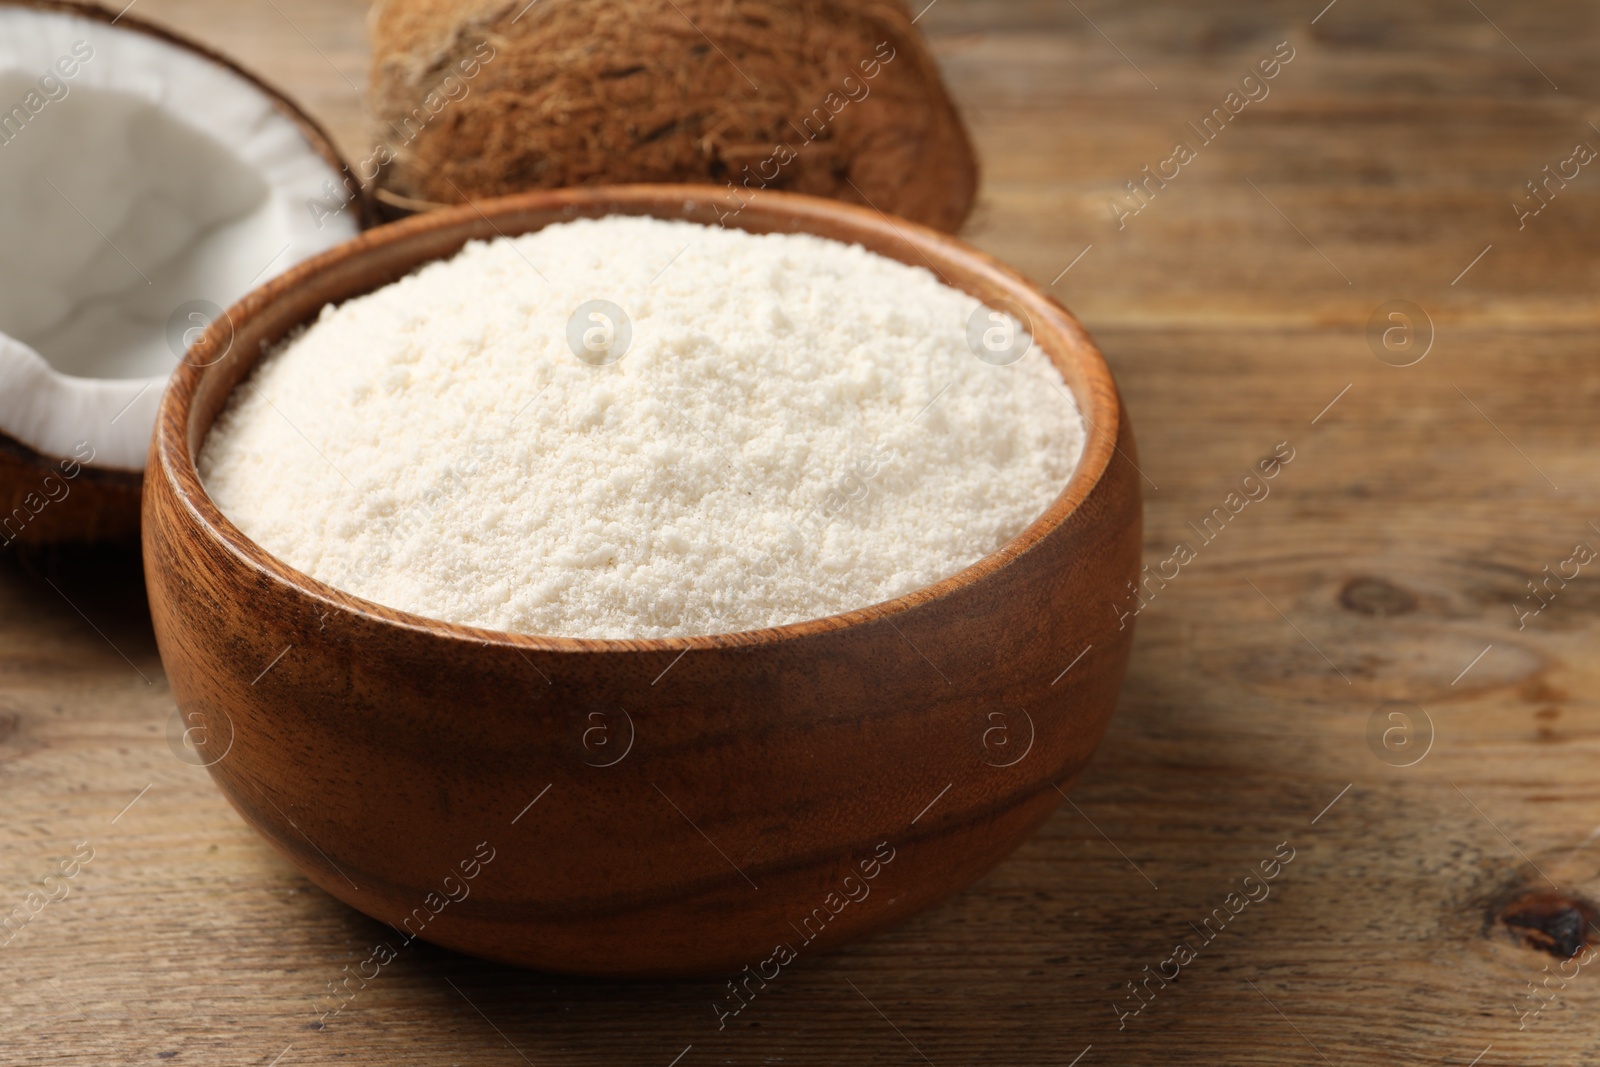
145 184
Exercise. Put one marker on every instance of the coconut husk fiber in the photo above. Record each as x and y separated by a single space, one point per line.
478 98
44 500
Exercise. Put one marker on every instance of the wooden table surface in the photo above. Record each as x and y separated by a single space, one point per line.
1442 860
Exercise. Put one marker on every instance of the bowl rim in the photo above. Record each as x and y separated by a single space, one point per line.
1065 342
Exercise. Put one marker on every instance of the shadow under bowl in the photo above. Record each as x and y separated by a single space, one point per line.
643 807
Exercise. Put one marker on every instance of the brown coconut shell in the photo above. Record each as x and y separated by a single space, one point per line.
480 98
44 500
101 503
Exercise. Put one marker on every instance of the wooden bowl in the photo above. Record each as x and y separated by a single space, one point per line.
651 807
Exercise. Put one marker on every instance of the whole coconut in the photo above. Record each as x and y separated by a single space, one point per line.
479 98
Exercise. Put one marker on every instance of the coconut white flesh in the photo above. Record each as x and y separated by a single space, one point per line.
148 180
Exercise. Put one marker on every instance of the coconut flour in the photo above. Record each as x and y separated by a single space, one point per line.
636 428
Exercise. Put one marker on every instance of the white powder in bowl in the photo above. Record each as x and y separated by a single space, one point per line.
796 427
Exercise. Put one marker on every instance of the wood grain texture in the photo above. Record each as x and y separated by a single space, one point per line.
1396 542
392 757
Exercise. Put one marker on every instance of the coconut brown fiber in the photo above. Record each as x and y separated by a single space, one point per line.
479 98
45 501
